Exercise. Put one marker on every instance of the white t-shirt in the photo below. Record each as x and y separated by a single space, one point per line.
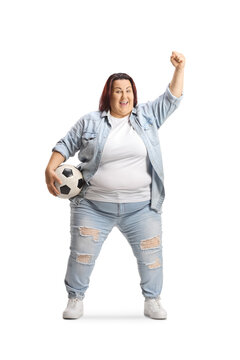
124 173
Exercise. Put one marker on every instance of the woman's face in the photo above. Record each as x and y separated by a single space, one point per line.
122 98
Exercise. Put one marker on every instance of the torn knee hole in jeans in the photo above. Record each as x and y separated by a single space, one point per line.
155 264
150 243
84 258
85 231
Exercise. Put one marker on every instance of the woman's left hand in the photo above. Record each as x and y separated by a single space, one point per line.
178 60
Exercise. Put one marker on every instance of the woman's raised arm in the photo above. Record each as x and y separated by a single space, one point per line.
176 85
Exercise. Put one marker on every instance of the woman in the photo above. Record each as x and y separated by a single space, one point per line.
120 153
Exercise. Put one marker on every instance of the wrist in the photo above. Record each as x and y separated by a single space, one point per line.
179 70
49 168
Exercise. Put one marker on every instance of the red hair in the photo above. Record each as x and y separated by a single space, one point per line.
104 103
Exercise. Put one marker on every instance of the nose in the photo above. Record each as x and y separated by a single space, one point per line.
124 97
124 94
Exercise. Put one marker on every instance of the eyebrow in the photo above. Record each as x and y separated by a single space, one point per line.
117 87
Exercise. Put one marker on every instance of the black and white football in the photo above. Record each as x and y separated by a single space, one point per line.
72 181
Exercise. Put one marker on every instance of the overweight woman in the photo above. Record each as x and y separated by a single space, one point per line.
120 160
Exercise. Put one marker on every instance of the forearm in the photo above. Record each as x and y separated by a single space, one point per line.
176 85
55 160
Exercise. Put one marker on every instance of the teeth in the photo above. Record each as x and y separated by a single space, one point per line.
123 102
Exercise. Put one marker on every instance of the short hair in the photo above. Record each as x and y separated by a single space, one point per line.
104 103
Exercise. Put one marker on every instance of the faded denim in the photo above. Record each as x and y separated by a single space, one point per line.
90 133
92 221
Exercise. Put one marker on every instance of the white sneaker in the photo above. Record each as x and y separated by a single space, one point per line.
154 309
74 309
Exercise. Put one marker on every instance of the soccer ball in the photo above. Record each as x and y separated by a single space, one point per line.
72 181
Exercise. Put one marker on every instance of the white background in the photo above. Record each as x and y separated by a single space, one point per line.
55 59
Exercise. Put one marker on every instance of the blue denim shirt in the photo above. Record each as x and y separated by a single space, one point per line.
89 134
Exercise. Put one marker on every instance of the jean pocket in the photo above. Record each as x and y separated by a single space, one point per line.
88 137
88 146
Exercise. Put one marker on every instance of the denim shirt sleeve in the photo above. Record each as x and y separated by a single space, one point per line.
71 142
162 107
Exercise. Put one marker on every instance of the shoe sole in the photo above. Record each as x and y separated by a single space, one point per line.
72 318
156 318
65 318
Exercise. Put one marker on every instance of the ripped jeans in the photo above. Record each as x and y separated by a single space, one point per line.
92 221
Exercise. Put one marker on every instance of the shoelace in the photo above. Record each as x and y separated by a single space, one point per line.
158 302
75 299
